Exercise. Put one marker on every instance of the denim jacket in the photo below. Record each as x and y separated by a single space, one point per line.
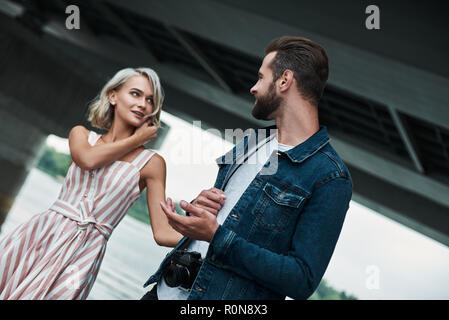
278 239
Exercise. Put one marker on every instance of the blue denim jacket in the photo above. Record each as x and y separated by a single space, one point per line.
278 239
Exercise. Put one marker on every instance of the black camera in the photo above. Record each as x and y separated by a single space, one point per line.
183 268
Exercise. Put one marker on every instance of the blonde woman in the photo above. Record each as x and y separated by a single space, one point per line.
57 254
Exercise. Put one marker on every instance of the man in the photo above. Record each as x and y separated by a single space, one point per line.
275 233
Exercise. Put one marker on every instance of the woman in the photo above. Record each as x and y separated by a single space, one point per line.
57 254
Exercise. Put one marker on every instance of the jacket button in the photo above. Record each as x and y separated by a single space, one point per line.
85 195
197 287
235 216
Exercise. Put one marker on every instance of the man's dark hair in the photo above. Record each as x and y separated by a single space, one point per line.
306 59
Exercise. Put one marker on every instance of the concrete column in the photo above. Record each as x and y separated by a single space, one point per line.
21 145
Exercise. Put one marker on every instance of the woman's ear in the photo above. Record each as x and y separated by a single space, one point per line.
112 97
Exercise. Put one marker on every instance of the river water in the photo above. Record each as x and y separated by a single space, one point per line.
131 255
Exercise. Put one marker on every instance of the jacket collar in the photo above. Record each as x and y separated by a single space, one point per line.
297 154
309 147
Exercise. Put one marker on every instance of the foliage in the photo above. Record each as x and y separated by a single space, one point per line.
326 292
54 163
140 212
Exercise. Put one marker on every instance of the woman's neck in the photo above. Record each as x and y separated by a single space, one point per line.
118 132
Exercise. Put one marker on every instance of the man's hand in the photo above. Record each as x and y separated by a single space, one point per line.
211 200
200 225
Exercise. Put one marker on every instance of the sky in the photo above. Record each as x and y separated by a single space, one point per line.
375 257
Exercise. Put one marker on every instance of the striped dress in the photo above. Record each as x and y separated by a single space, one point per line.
57 254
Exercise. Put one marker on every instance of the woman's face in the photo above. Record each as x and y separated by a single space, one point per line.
133 101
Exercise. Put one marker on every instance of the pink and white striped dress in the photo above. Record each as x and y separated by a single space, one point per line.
57 254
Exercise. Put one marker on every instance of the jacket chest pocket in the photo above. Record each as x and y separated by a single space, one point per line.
276 207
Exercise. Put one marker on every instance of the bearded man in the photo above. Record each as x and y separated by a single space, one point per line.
261 233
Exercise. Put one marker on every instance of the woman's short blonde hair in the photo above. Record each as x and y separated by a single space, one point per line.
101 113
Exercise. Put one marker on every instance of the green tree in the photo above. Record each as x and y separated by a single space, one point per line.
140 212
326 292
54 163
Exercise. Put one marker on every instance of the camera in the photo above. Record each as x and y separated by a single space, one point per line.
183 268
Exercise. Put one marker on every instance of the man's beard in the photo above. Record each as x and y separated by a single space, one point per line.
266 105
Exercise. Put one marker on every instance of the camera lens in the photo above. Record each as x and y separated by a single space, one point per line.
175 275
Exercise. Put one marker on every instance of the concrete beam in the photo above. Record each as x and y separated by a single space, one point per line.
406 137
200 58
401 205
370 75
391 172
125 29
11 9
205 97
63 91
121 54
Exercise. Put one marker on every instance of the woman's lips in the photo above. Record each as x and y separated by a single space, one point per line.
138 114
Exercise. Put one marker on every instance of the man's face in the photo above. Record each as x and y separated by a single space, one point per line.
264 91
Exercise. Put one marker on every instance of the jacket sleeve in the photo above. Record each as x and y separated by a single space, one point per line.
298 273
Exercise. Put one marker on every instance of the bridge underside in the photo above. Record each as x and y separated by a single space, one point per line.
385 105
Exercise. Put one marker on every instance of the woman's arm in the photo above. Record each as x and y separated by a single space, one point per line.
92 157
154 174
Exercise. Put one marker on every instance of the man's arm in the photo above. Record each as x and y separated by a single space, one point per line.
298 273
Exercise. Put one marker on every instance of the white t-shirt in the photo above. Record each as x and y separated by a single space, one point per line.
235 187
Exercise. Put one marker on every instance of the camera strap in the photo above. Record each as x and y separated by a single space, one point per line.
185 244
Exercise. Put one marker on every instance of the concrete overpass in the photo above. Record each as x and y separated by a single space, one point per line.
386 104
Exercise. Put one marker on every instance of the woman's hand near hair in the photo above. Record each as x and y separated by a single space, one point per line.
146 132
92 157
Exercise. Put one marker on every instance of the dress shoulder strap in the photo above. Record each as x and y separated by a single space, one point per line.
93 137
143 158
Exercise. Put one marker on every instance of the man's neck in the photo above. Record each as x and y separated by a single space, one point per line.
295 125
